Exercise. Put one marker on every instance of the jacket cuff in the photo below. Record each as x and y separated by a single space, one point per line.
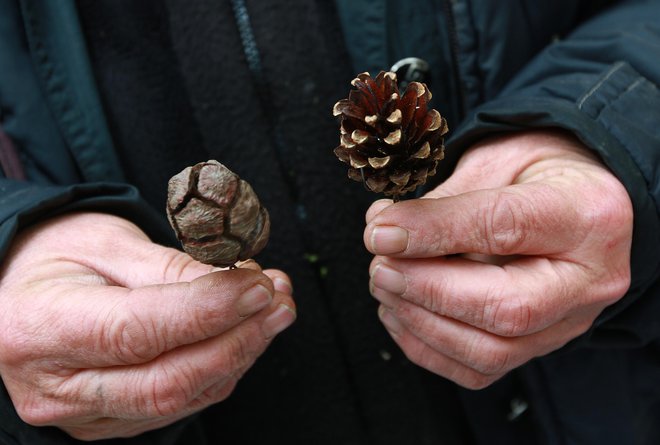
23 203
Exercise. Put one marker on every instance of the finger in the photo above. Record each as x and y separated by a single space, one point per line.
479 350
113 247
376 208
522 297
215 393
95 428
144 263
117 326
169 384
529 219
109 428
247 264
423 355
281 281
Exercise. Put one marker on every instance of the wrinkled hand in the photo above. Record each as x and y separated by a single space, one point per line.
105 334
545 233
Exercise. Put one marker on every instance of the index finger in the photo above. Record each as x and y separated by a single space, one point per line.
134 326
521 298
529 219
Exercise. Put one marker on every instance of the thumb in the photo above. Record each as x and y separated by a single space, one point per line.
108 245
130 259
123 254
136 325
532 219
145 263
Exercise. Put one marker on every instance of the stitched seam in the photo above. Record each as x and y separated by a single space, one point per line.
600 83
13 196
618 97
55 87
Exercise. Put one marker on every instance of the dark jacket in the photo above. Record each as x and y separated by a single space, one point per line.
104 100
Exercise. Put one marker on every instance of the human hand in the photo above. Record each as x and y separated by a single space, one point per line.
544 230
105 334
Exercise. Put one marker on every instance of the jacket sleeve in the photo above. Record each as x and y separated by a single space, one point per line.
601 83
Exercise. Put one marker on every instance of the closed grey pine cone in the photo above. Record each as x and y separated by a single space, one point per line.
216 215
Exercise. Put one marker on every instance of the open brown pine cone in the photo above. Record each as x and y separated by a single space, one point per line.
392 142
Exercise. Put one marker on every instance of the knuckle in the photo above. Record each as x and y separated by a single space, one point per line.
131 339
239 351
580 328
610 285
508 316
469 378
32 414
476 381
415 351
608 219
495 360
618 284
38 411
418 321
614 210
214 394
504 223
488 357
169 392
176 264
42 398
431 291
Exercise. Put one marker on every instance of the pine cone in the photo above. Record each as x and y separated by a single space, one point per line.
392 142
216 215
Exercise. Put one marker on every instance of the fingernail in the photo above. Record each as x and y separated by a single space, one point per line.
386 240
283 286
388 319
248 264
388 279
255 299
377 207
279 320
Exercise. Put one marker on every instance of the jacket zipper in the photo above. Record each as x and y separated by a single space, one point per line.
253 59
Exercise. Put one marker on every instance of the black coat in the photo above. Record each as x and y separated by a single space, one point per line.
105 100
